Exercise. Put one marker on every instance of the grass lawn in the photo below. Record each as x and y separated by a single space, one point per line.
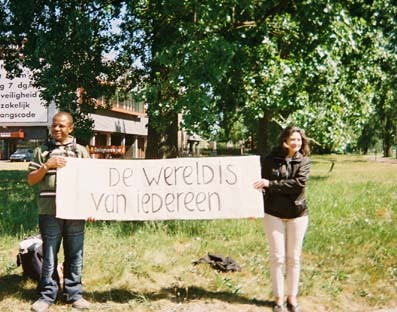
349 260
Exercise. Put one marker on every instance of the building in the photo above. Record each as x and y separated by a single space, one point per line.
120 132
24 119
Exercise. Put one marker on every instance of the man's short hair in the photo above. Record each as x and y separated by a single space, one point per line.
66 114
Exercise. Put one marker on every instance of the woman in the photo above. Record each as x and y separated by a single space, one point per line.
285 172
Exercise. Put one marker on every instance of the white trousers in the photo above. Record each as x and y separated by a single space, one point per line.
285 237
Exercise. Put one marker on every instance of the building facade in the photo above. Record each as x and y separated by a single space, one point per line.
24 118
120 132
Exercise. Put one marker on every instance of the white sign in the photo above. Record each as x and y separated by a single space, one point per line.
19 100
181 188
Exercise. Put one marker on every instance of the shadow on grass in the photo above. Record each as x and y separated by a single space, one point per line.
318 177
353 161
13 180
15 285
174 294
17 204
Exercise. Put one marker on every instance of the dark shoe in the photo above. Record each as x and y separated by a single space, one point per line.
40 306
293 308
81 304
278 308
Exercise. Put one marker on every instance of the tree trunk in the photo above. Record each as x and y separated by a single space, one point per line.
170 146
263 135
387 139
153 142
163 144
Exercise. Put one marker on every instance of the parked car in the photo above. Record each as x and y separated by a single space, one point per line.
22 155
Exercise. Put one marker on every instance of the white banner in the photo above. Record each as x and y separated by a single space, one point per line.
19 100
167 189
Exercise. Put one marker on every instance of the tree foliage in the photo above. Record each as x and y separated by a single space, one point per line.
63 43
233 69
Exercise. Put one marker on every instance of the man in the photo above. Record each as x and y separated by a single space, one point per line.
42 171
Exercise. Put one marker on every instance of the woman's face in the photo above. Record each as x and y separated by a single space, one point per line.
294 143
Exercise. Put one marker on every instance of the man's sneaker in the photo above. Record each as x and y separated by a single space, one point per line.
40 306
81 304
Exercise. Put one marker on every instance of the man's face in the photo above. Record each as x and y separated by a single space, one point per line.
61 128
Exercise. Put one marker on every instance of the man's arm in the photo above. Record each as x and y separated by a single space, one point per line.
37 175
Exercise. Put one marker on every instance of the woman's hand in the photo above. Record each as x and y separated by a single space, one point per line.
260 184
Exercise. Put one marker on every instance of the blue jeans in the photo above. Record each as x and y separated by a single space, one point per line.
53 230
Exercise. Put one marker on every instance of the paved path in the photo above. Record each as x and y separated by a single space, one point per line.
8 165
389 160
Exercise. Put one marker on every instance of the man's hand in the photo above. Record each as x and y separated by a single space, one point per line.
56 162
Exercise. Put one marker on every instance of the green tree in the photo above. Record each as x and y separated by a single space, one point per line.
216 62
63 43
149 30
381 18
378 69
328 66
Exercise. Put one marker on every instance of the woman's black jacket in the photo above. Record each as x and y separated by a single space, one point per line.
285 196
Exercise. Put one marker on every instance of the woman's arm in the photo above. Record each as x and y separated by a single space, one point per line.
294 184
